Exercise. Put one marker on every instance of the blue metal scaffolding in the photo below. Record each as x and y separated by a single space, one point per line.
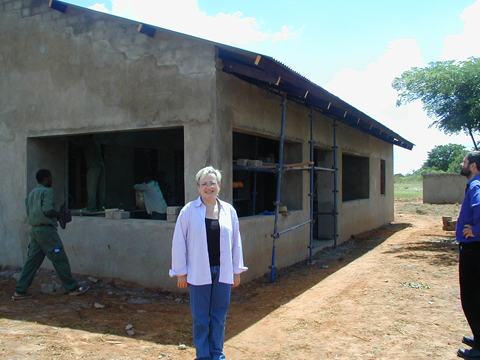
280 169
311 168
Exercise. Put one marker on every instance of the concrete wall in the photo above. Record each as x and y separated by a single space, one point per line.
255 111
86 72
443 188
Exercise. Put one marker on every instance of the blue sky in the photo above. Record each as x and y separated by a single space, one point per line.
352 48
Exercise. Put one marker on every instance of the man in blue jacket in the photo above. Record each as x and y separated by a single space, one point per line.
468 236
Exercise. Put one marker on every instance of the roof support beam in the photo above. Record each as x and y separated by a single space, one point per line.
255 73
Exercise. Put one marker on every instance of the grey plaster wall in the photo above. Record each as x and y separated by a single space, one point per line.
443 188
365 214
86 72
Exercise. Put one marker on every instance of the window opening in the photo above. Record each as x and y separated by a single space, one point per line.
254 192
128 157
355 177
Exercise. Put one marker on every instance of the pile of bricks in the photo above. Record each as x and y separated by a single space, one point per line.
448 223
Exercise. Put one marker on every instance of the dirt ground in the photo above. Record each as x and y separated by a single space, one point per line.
390 293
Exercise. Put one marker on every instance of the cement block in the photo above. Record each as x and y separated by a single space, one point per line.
118 215
171 218
48 288
174 210
242 162
255 163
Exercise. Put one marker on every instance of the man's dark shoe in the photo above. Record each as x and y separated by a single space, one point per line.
19 296
468 340
79 291
471 354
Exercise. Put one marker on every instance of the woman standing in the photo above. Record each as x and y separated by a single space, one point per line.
207 258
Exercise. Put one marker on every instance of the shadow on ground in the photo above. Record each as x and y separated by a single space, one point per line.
164 317
439 252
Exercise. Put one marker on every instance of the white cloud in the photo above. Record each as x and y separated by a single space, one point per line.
186 17
466 44
370 91
100 8
285 34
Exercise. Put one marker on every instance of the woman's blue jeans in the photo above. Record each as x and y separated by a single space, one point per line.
209 305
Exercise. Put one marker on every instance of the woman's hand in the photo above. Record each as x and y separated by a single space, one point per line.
236 280
182 281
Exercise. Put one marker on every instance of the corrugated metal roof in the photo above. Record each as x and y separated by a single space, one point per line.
267 72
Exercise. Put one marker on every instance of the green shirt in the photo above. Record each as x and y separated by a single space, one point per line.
38 201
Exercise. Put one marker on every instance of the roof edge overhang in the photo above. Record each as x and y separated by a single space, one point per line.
267 72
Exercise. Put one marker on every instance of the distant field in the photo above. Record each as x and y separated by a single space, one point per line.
408 187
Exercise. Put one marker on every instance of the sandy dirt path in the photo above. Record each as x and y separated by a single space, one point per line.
391 293
399 301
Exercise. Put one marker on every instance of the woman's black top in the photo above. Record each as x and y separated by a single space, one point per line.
213 240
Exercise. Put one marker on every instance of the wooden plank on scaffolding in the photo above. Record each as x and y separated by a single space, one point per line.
298 165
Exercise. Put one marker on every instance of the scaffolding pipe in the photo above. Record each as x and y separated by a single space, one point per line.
312 222
294 227
255 179
275 234
335 187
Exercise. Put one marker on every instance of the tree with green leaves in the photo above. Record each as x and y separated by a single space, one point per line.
449 91
444 158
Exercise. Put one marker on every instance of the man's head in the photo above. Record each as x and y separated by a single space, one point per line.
44 177
471 164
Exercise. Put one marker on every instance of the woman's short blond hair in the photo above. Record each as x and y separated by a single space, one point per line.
208 170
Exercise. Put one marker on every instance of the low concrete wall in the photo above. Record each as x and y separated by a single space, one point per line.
443 188
139 251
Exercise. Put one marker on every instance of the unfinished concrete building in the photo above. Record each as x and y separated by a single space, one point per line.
303 168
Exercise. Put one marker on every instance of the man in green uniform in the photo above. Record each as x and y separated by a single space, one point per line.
44 240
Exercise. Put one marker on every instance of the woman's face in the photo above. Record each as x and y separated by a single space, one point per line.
208 187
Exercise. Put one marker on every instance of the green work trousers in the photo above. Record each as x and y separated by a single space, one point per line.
44 241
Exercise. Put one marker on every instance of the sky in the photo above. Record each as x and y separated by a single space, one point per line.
352 48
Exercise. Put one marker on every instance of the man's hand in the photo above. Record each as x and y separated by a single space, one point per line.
467 231
52 214
182 281
236 280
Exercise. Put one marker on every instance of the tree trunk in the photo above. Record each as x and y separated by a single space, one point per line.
474 143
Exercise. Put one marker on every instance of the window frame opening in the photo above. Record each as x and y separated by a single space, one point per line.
383 177
355 177
255 188
127 157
